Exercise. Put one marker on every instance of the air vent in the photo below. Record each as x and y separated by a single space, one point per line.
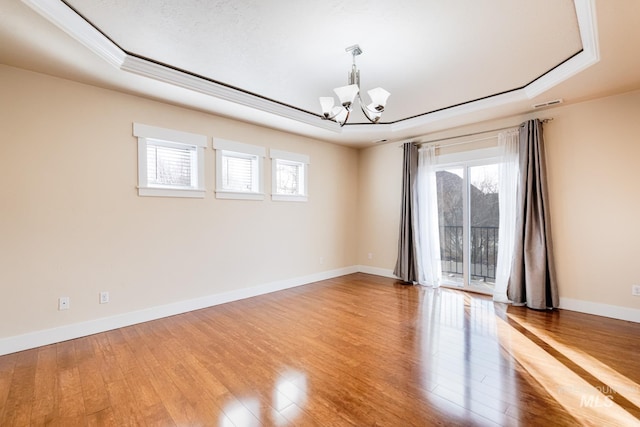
548 103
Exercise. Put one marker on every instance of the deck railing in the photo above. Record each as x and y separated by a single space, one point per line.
483 247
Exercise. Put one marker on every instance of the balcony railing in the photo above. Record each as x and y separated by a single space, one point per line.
484 251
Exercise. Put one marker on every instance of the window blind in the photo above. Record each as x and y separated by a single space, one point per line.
237 172
168 165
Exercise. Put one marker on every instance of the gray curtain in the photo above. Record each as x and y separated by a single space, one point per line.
407 264
532 280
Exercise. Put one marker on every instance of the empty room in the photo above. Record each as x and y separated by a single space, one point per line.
296 213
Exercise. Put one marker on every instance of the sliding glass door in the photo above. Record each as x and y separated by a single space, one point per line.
468 218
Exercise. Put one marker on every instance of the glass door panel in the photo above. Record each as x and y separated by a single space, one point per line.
468 219
450 185
484 215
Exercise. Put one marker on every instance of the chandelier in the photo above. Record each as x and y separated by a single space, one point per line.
347 94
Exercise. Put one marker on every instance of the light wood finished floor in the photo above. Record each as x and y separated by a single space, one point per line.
359 350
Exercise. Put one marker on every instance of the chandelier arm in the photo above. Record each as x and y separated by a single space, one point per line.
365 110
333 118
345 119
328 117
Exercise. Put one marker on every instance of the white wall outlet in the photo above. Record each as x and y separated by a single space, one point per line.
370 255
104 297
321 260
635 290
64 303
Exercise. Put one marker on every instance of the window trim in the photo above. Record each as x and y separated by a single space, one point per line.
291 157
471 157
145 135
221 146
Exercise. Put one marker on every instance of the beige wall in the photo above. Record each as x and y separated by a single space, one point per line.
593 155
73 225
379 202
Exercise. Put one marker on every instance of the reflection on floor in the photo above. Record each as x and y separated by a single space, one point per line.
356 350
456 281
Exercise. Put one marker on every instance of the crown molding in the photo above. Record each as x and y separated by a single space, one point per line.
179 78
70 22
590 55
77 27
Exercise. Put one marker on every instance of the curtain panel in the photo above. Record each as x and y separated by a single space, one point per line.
508 176
532 281
428 231
407 264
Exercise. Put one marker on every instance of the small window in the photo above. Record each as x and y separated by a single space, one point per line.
170 162
289 181
239 170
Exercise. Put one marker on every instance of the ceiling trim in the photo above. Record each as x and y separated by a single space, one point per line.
202 85
74 24
586 15
71 22
590 55
65 18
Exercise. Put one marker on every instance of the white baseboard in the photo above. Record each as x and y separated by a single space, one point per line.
77 330
587 307
376 271
605 310
90 327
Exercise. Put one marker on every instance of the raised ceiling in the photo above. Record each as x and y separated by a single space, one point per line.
294 51
445 63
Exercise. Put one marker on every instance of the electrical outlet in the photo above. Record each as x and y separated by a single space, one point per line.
321 260
370 255
635 290
64 303
104 297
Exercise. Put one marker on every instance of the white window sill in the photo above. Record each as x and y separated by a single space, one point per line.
288 198
238 195
171 192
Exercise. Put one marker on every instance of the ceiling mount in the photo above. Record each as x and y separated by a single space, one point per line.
355 50
347 95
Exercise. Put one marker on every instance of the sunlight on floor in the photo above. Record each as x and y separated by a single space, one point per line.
587 404
613 383
459 312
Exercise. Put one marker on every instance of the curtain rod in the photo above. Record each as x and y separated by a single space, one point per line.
472 134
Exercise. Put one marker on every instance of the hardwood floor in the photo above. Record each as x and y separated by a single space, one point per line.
357 350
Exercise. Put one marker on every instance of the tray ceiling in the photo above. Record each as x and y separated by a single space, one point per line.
445 63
